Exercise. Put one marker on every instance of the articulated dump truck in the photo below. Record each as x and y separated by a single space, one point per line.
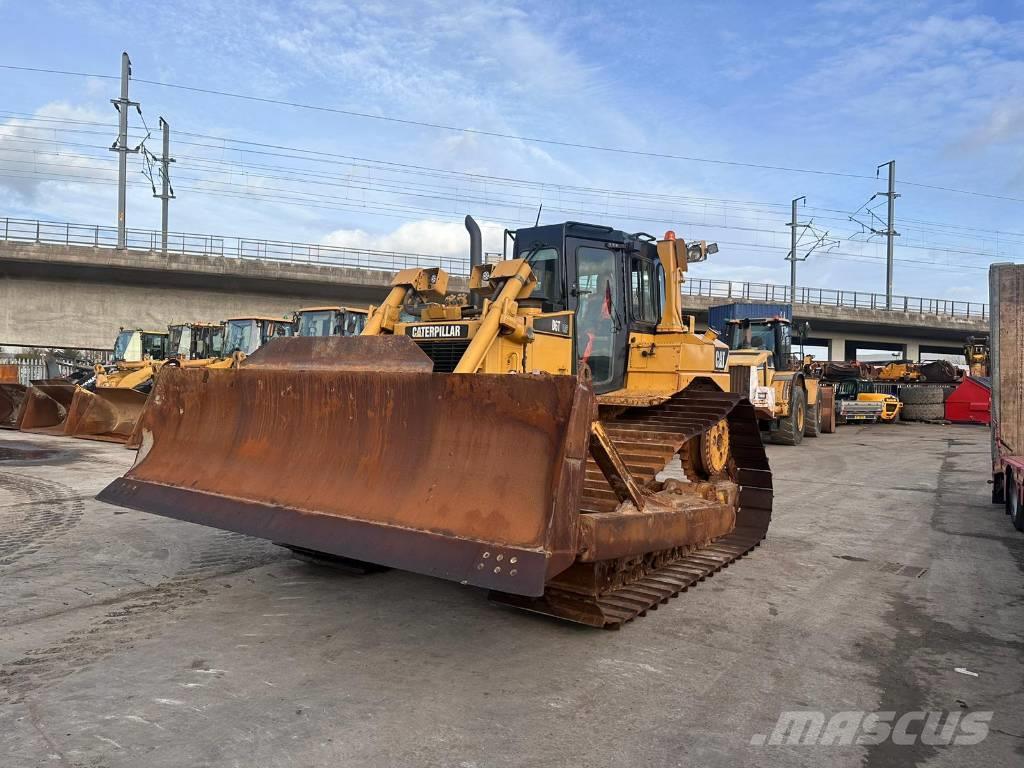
511 440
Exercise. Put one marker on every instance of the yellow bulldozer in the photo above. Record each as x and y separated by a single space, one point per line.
784 393
516 441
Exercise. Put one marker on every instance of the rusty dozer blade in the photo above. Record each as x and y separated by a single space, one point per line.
106 413
12 396
341 353
473 478
46 406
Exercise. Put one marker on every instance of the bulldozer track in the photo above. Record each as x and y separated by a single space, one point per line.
647 439
49 510
136 618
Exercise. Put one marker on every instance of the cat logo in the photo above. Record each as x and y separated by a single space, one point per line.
438 332
721 359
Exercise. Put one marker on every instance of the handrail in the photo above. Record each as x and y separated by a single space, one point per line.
185 243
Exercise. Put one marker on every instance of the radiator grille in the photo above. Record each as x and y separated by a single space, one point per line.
444 354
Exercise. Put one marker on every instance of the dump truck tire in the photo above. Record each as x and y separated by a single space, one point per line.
812 419
791 428
923 412
922 395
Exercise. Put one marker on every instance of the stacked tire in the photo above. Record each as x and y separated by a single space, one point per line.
923 403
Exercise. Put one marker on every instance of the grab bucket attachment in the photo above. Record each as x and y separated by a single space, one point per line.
473 478
11 398
106 413
46 406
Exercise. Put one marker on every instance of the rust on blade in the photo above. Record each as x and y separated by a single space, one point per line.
46 406
472 478
107 413
341 353
12 395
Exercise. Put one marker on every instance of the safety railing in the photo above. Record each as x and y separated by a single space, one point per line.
56 233
193 244
779 294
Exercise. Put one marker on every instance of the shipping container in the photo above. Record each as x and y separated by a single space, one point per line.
719 315
1006 320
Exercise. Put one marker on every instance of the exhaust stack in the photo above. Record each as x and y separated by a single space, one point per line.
476 253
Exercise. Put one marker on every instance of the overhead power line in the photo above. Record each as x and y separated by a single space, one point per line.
499 134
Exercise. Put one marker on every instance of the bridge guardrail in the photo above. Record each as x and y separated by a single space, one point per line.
773 293
58 233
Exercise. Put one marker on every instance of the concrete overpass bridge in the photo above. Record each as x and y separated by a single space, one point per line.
65 285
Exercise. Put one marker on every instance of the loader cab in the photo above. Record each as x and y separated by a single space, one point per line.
771 334
195 341
135 345
247 334
330 321
610 280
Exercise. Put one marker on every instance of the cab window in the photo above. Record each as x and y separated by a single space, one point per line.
644 289
599 312
547 269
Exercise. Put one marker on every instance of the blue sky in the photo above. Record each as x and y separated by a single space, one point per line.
840 85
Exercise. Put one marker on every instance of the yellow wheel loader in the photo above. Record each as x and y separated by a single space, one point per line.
330 321
515 442
244 335
110 409
785 395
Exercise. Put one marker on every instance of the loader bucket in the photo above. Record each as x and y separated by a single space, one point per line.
107 413
46 406
473 478
11 398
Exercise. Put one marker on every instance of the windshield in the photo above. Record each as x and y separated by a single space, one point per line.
125 350
354 323
547 269
181 340
240 336
321 323
761 337
154 345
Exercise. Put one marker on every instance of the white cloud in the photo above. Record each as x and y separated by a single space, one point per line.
34 153
438 238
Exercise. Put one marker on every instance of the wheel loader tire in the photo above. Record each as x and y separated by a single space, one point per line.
812 419
923 412
791 428
922 395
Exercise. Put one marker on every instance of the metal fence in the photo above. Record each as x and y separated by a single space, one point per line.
192 244
771 293
56 233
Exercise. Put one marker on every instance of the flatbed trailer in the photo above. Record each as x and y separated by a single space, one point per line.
1006 321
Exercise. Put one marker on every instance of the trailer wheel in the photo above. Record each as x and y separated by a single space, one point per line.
998 489
791 427
1013 506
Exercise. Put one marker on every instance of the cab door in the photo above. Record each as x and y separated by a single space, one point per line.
597 297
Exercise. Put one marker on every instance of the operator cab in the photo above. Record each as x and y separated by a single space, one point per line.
772 334
133 346
247 334
196 341
613 283
330 321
